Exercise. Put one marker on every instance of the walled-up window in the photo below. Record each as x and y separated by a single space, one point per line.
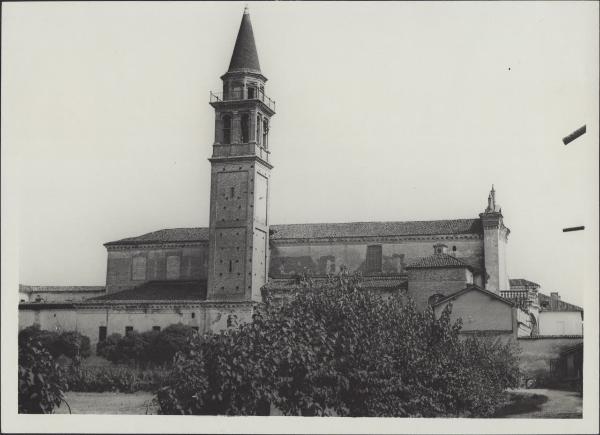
227 129
128 330
245 121
102 333
265 132
173 266
138 269
374 256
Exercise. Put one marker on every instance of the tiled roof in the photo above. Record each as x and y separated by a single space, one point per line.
58 288
556 304
520 282
158 290
244 55
322 231
376 229
166 236
437 260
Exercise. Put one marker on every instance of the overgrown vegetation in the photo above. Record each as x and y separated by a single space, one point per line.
146 348
68 343
41 381
340 350
113 379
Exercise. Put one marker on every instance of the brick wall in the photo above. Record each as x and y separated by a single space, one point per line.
192 261
424 283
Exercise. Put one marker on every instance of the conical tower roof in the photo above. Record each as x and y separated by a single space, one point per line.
244 57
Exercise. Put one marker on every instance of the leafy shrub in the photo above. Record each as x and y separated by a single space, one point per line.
341 350
108 347
121 379
41 381
69 343
154 347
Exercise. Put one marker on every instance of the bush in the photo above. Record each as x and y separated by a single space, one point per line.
150 347
41 381
121 379
69 343
341 350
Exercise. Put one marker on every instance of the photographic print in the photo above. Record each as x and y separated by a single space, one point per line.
303 212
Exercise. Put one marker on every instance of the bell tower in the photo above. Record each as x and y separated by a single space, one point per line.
240 174
495 239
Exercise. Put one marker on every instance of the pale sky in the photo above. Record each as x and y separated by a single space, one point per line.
385 111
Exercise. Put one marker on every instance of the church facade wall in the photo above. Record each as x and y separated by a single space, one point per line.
130 266
291 257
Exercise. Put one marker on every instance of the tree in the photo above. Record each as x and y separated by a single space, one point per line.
41 381
338 349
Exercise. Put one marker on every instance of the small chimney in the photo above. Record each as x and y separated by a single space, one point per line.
440 248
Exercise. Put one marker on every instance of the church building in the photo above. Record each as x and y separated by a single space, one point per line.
202 276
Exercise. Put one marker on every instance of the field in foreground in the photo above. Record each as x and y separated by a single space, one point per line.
108 403
543 403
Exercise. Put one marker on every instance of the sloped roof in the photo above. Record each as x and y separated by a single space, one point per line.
245 56
437 260
473 288
158 290
556 304
321 231
59 288
520 282
376 229
166 236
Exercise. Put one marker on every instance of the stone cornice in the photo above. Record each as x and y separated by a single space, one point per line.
143 245
369 239
249 157
141 305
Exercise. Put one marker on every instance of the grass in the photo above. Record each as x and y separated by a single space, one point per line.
520 403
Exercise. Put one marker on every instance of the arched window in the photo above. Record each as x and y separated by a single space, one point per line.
245 119
265 132
258 122
227 129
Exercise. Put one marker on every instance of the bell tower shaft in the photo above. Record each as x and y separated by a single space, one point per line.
240 177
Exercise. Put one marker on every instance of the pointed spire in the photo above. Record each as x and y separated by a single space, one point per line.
492 207
245 57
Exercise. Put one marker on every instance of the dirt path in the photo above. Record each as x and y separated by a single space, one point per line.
108 403
560 404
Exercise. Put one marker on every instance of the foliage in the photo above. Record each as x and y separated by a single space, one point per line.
69 343
154 347
121 379
41 381
338 349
